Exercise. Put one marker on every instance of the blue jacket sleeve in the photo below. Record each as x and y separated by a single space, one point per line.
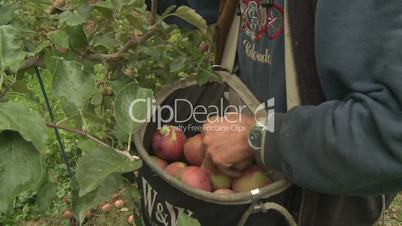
352 143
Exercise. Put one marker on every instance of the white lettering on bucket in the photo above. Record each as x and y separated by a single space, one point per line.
160 213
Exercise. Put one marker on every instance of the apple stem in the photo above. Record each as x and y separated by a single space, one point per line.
164 131
174 136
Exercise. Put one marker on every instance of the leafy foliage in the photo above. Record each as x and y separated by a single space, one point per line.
31 126
96 57
186 220
21 168
95 166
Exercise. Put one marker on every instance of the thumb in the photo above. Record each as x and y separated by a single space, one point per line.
232 172
208 164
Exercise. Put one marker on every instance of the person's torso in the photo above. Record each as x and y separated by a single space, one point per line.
261 50
262 69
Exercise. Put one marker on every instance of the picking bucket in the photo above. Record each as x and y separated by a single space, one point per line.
164 195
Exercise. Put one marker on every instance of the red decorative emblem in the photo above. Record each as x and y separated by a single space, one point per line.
258 20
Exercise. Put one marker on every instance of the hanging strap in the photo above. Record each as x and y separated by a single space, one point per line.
229 54
265 207
292 88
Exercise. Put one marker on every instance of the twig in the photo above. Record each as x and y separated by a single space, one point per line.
8 87
133 42
130 137
106 70
154 11
31 62
96 140
1 79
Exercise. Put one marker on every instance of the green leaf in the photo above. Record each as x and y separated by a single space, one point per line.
82 204
188 14
6 13
46 194
21 169
59 38
74 82
203 77
185 220
86 145
97 99
167 11
95 166
77 37
178 64
71 18
75 17
30 125
107 41
139 100
120 134
39 48
11 49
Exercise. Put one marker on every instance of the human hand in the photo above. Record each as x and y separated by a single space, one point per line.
226 142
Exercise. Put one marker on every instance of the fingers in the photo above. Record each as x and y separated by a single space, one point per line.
230 171
211 167
207 164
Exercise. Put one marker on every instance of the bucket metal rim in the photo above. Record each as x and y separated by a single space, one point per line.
227 199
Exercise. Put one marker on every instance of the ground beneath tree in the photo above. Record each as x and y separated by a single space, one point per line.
118 217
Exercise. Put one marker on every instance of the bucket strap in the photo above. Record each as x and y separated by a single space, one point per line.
265 207
229 54
292 87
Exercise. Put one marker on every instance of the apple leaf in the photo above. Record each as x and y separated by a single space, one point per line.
76 37
59 38
21 168
82 204
185 220
12 54
6 13
191 16
135 97
31 126
75 17
46 194
75 82
96 165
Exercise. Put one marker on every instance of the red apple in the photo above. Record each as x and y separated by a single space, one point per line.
88 214
168 142
253 177
61 50
203 47
130 219
119 204
223 191
159 162
220 181
194 150
107 208
67 214
174 168
196 177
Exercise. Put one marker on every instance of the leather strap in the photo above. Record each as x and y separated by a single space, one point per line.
229 54
292 87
